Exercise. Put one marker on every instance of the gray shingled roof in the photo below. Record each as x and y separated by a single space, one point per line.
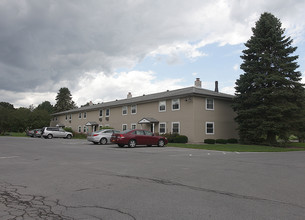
178 93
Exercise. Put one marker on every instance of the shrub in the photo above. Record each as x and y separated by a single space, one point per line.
68 129
181 139
176 138
221 141
232 141
209 141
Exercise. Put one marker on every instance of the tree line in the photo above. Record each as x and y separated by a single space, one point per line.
22 119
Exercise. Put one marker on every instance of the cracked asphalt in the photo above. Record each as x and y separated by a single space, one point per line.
73 179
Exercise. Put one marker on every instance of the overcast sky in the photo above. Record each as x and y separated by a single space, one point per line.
103 49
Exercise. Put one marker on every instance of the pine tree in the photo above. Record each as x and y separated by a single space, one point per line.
269 96
64 100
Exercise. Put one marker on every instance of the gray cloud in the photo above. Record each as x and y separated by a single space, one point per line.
46 42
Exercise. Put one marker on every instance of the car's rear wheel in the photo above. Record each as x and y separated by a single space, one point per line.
103 141
50 136
69 136
132 143
161 143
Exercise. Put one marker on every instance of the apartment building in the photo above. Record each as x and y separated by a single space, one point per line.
192 111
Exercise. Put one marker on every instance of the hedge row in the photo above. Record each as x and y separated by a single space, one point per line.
176 138
221 141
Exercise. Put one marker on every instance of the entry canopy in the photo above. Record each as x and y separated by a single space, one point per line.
91 123
148 121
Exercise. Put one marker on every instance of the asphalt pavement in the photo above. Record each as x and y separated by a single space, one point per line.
74 179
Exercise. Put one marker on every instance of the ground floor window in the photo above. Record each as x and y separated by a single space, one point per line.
124 127
133 126
176 127
85 129
209 127
79 129
162 128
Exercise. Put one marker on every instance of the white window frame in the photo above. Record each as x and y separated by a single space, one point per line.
133 108
206 104
206 128
100 115
70 117
161 103
125 108
107 115
162 123
85 129
85 115
124 125
177 122
133 124
66 117
79 129
80 115
173 100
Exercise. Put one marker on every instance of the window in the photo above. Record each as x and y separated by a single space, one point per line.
134 109
107 112
124 127
175 104
85 115
176 127
70 117
79 129
79 115
139 132
133 126
209 104
162 106
209 127
124 110
101 113
66 117
162 128
85 129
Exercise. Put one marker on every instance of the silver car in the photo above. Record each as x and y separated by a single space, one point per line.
101 136
56 132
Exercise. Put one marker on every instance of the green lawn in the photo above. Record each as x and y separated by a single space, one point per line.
241 147
15 134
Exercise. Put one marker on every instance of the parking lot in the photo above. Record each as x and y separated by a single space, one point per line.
74 179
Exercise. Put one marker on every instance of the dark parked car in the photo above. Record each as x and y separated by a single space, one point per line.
138 137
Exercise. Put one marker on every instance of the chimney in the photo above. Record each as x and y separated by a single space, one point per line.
90 103
216 86
129 96
198 83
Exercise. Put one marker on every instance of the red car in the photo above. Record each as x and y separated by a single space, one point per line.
137 137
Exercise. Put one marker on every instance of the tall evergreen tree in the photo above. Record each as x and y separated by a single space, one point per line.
269 95
64 100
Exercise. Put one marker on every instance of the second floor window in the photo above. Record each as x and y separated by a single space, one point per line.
134 109
85 114
175 104
162 106
107 112
209 104
101 113
124 110
79 115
